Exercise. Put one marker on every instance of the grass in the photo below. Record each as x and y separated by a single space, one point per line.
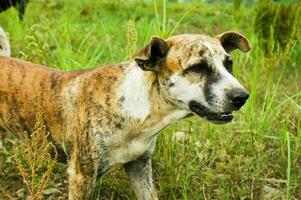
261 147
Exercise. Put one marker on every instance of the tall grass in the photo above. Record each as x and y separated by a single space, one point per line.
288 173
278 23
132 39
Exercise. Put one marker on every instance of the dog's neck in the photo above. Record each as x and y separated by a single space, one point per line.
143 101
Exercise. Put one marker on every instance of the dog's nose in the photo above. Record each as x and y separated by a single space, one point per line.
238 97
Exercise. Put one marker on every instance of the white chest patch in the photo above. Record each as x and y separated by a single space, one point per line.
164 122
135 94
131 150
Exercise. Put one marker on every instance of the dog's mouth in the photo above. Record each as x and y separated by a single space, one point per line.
218 118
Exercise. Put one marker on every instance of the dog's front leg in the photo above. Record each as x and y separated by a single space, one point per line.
140 174
81 182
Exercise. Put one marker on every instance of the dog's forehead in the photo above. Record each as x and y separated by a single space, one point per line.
194 42
187 48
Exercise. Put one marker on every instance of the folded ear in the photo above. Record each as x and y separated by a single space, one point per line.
154 52
231 40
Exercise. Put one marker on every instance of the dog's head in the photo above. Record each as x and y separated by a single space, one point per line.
194 73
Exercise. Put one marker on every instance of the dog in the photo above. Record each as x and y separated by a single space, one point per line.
4 44
20 5
4 51
111 115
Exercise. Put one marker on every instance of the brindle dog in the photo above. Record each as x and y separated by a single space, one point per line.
111 115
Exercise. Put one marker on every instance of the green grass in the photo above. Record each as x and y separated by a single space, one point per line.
261 147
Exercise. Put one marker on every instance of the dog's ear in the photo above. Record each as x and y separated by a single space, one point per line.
154 52
231 40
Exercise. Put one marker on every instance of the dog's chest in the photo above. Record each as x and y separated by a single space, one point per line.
145 140
132 150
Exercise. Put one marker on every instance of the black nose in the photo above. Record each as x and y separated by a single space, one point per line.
238 97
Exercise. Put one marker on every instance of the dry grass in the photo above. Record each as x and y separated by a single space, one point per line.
33 160
132 38
6 193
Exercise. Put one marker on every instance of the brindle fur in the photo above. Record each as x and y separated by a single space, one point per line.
89 112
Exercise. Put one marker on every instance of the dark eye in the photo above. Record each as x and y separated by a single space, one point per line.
199 68
228 63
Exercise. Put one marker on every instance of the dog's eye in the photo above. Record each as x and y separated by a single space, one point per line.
198 68
228 63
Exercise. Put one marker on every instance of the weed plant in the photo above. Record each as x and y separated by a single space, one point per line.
32 157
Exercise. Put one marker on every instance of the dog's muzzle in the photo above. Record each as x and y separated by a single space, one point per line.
219 118
237 98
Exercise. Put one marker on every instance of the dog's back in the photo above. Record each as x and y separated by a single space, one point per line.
4 44
22 84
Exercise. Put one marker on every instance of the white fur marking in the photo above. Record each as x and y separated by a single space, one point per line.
4 43
170 118
71 170
208 46
144 141
227 81
136 94
186 91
